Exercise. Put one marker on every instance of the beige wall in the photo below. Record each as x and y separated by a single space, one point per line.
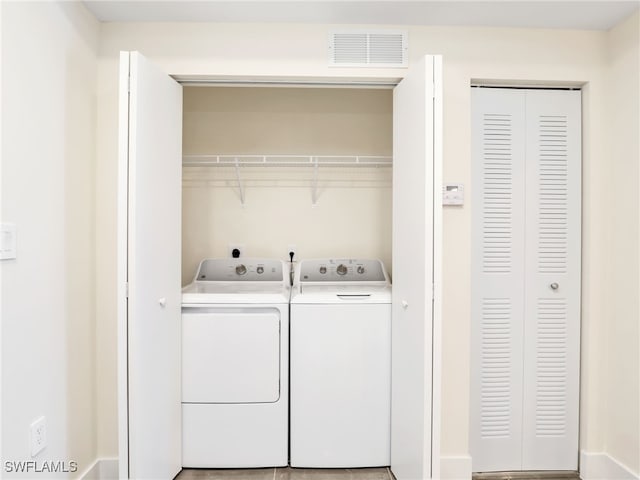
621 383
352 216
321 121
49 53
469 53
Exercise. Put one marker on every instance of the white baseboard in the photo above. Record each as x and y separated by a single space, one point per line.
455 468
93 472
102 469
600 466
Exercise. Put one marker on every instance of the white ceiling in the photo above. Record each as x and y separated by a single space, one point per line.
571 14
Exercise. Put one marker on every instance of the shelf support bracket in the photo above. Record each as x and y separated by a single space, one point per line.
239 179
314 183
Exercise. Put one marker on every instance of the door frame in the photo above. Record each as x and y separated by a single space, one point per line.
274 82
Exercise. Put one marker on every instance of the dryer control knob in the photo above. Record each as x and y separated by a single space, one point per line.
241 269
323 269
360 269
260 269
342 269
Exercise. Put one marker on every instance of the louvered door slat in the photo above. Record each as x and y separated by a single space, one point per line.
497 279
552 301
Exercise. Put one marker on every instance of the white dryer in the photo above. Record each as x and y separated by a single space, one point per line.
340 364
235 337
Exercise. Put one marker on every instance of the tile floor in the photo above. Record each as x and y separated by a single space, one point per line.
541 475
287 473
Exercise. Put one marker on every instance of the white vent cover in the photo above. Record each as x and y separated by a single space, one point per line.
366 48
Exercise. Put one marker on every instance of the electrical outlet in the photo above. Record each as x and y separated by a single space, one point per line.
38 430
236 246
292 248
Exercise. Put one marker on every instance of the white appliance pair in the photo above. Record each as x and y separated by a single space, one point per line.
257 354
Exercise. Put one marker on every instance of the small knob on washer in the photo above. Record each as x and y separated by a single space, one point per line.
360 269
241 269
323 269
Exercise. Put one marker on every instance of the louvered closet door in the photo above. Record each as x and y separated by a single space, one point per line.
525 279
552 299
498 146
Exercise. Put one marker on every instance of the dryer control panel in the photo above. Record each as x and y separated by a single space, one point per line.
240 270
342 270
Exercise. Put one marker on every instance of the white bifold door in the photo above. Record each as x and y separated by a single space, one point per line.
525 347
149 253
415 325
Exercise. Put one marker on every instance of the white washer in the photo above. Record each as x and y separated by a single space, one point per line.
340 364
235 337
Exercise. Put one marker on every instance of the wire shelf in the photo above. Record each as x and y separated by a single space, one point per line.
284 160
314 161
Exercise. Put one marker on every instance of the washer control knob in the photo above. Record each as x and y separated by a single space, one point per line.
360 269
260 269
342 269
241 269
323 269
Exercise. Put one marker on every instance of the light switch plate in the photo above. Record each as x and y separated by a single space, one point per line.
7 241
453 194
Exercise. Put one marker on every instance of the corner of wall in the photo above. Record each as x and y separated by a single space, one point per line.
620 389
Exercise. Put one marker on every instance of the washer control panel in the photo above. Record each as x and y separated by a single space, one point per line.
342 270
240 270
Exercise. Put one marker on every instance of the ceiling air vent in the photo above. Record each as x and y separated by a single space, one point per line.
358 48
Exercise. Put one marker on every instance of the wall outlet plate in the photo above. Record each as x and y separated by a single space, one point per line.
38 429
7 241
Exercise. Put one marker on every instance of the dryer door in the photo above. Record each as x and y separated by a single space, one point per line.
231 355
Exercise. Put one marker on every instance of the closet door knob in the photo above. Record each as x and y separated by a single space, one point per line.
554 286
162 302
